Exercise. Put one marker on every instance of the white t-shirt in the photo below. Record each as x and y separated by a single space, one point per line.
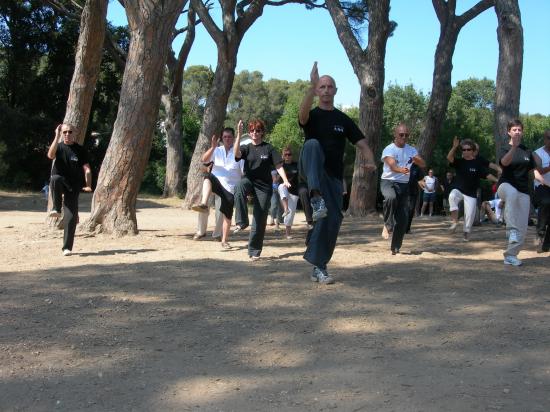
545 162
429 184
226 169
403 158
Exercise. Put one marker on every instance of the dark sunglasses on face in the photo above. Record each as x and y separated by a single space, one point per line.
67 132
403 134
287 154
256 131
467 149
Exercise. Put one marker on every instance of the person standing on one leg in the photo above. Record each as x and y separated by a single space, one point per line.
225 174
70 172
513 188
469 171
542 193
321 166
259 158
398 157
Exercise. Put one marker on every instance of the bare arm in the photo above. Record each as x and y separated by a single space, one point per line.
208 154
237 144
495 167
451 154
417 160
87 177
281 172
392 164
508 157
307 101
367 154
53 147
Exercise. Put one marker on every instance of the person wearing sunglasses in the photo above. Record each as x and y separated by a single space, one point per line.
398 158
321 166
289 195
542 193
71 173
469 170
513 188
259 158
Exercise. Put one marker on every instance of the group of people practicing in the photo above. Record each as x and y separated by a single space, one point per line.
236 172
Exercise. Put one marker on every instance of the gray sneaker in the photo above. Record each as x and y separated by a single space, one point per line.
514 236
321 276
319 209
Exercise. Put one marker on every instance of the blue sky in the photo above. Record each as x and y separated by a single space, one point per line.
285 41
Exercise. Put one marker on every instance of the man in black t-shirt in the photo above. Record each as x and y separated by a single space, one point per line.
259 158
321 166
70 173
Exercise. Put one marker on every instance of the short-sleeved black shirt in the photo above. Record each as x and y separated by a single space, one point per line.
415 174
468 174
517 172
68 163
331 128
259 160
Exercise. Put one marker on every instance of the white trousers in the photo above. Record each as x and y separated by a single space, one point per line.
202 219
470 206
516 215
292 204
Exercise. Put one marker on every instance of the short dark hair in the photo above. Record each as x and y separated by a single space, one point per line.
513 123
229 129
468 142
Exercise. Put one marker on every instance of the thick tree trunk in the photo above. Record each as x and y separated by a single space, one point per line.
368 65
114 201
441 90
450 24
87 66
212 123
510 66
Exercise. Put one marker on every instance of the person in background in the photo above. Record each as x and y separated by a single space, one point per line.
542 193
289 195
416 180
513 188
71 173
429 185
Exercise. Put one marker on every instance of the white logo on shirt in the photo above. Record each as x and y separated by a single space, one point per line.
264 156
339 129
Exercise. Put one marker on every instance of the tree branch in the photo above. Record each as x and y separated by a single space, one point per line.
440 7
184 51
474 11
345 33
203 12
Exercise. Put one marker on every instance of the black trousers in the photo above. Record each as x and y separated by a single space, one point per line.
64 194
542 202
411 210
227 198
303 193
396 209
262 200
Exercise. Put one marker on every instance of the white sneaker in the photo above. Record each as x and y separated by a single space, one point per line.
453 226
514 236
512 261
54 213
67 252
321 276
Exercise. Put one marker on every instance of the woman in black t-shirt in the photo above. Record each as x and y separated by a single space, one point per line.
259 158
469 170
289 195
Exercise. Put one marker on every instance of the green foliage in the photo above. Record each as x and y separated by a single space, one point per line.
196 84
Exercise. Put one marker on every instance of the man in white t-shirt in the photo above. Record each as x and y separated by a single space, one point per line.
542 193
398 158
225 174
429 184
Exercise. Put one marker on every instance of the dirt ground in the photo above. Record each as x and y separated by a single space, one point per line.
159 322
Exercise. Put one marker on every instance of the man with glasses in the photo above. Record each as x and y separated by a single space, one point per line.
225 174
469 171
398 158
542 193
321 166
70 173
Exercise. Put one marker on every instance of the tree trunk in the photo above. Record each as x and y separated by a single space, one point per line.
87 66
212 123
114 201
368 65
172 101
450 26
510 65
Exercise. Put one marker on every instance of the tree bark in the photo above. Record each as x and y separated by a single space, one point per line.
368 65
450 26
87 66
172 101
510 67
151 26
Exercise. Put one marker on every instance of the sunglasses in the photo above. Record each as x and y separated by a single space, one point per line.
287 154
67 132
403 134
467 149
256 131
